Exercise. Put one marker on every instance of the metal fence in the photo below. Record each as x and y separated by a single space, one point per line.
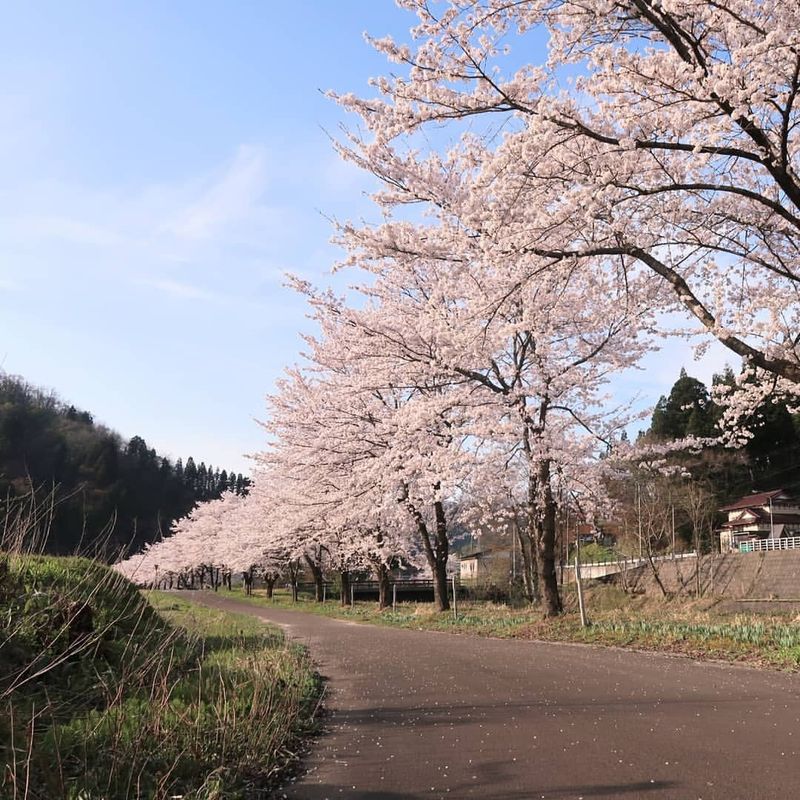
756 545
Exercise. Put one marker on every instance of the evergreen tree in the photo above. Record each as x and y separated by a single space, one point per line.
190 475
202 481
687 411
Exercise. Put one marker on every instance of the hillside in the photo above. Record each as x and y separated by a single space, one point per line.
771 457
91 490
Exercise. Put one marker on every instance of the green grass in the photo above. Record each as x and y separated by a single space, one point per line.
477 617
107 695
771 642
691 628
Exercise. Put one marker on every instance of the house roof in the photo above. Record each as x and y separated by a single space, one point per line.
489 551
762 516
474 554
757 499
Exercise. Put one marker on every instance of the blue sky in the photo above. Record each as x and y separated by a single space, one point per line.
162 165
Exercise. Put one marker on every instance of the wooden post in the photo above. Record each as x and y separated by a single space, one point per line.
394 596
455 599
579 584
352 594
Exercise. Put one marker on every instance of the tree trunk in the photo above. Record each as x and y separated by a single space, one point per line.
545 527
294 574
436 550
344 599
533 554
316 574
270 584
383 586
439 566
654 569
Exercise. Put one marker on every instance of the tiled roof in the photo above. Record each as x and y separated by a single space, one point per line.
754 500
474 554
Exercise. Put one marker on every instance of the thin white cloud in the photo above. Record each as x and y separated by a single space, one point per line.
229 199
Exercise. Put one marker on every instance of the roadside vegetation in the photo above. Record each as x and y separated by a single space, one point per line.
697 628
107 695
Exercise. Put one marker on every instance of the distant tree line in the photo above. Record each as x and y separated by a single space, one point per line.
107 494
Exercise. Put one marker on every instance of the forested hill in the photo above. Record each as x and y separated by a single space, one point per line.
109 494
769 460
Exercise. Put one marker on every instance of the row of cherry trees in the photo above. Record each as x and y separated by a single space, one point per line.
540 224
448 393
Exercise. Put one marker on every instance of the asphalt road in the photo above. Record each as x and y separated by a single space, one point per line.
427 715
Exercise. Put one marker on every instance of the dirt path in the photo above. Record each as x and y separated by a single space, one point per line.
420 714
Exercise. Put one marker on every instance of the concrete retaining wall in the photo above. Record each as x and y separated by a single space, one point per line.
773 575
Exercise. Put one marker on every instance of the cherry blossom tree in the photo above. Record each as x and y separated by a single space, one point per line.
655 136
521 346
199 544
351 452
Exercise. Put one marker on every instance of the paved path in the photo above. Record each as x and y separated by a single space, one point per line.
428 715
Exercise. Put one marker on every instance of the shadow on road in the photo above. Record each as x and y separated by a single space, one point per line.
610 790
468 714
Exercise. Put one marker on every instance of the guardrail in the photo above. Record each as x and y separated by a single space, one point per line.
631 561
756 545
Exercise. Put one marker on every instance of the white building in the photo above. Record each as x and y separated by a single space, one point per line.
763 515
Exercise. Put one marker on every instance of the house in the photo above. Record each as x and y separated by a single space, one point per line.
490 564
762 515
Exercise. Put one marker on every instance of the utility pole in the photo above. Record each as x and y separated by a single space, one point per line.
577 542
579 584
639 514
514 551
771 521
673 526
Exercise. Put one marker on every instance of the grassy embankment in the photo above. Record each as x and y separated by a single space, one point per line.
104 695
682 626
